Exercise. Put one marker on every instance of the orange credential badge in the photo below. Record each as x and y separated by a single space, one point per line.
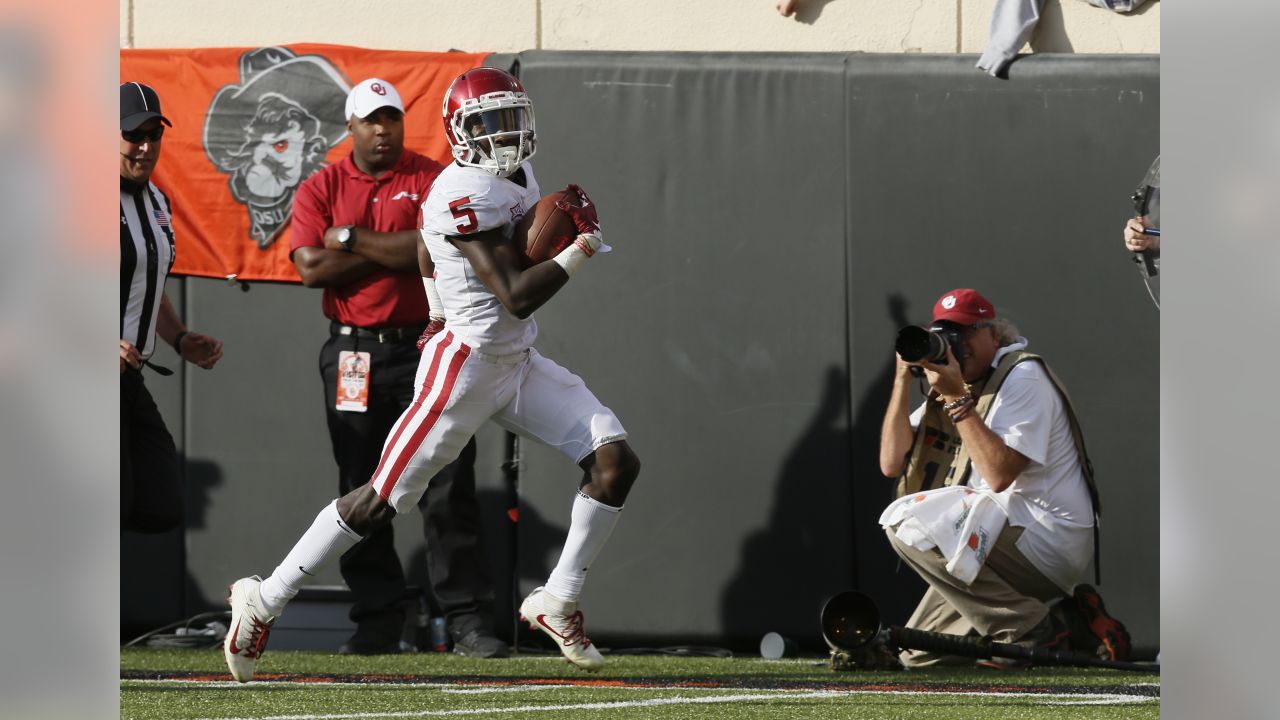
353 381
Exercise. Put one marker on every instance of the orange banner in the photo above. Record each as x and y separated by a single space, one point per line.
250 124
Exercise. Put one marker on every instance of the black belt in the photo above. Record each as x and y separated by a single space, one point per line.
382 335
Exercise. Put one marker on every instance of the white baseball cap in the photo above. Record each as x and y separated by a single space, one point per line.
370 95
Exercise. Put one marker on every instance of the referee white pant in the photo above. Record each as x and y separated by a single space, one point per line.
459 388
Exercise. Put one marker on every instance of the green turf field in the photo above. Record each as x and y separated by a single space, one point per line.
185 684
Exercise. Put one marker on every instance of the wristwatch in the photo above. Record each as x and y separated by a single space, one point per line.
347 236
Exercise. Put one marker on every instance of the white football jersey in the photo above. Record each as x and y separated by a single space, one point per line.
465 200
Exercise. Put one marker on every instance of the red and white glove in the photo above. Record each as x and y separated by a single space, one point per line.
590 238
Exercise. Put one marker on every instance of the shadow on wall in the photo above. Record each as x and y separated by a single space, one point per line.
808 11
773 590
202 476
156 588
879 572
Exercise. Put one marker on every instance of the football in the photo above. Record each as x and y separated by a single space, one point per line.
546 229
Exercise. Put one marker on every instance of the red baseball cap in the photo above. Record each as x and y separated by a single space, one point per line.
963 306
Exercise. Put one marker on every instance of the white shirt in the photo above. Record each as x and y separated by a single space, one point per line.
464 201
1050 498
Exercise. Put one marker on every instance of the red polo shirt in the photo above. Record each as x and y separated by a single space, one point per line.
341 194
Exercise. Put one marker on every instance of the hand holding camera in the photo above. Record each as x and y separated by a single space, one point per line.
945 376
931 352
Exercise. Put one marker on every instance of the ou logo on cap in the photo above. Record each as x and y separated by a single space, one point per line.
949 302
377 87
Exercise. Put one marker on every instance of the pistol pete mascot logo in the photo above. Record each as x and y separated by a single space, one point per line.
272 131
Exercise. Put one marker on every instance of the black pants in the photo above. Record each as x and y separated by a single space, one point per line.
456 567
150 483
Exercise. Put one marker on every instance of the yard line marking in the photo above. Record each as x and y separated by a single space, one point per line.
1055 699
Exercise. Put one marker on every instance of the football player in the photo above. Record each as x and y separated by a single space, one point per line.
482 367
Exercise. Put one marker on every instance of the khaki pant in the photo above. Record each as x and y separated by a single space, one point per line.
1008 598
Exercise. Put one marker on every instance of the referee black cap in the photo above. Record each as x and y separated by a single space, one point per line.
138 104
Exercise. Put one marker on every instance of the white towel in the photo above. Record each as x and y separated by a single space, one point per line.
961 522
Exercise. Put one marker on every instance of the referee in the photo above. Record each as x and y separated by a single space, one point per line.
149 480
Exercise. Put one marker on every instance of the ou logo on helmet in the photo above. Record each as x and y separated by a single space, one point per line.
948 302
378 88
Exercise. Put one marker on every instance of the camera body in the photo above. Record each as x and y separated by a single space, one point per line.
916 344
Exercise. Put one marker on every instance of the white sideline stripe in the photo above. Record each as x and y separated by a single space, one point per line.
655 702
1054 699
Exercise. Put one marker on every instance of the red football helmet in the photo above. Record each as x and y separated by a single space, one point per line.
488 120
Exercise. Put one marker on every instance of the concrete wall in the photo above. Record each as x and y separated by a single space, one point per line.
888 26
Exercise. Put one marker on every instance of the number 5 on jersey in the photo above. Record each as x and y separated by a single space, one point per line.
467 221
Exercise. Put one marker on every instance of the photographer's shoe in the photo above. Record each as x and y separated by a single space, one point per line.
561 620
250 625
1111 634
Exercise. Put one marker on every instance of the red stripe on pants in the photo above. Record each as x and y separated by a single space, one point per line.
407 420
415 442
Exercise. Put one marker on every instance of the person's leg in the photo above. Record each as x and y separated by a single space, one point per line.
935 614
372 568
555 407
1007 561
127 392
608 475
429 435
255 603
153 482
457 568
990 604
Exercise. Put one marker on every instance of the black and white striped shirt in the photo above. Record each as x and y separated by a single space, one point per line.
146 255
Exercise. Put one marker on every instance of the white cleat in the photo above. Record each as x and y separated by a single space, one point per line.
561 621
250 625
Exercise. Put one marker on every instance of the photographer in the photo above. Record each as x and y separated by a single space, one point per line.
995 509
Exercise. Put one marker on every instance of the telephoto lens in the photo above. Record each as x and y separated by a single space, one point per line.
916 343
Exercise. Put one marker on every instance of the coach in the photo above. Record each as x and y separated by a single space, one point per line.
1013 533
150 497
355 234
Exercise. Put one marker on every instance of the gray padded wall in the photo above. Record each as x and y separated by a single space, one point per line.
715 330
722 332
1019 189
766 211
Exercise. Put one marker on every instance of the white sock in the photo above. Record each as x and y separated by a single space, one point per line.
589 527
327 538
